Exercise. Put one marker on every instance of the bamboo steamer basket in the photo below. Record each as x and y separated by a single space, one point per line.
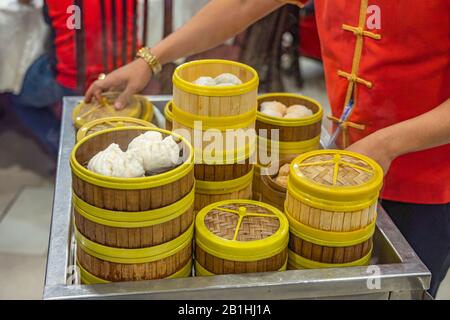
129 194
256 183
218 108
219 180
86 112
296 136
108 123
272 192
131 230
240 236
88 278
100 263
168 115
331 206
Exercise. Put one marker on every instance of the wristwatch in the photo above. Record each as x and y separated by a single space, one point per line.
146 54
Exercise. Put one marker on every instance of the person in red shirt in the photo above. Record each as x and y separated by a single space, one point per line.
393 63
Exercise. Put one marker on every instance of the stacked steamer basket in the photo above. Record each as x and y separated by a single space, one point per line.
168 115
108 123
272 192
139 108
240 236
331 206
296 136
132 228
227 116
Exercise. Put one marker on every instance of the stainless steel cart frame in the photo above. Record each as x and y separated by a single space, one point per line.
395 271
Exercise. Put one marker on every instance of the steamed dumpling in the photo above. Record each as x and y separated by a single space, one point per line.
205 81
113 162
144 139
227 79
300 111
284 170
272 113
157 155
282 180
273 105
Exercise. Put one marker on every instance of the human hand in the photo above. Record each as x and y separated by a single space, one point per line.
130 79
377 147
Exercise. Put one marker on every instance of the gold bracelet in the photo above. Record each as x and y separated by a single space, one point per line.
150 58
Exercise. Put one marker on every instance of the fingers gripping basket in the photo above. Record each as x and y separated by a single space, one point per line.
240 236
331 206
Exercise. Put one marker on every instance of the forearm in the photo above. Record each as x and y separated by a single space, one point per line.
426 131
214 24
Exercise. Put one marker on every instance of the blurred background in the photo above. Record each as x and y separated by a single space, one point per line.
43 59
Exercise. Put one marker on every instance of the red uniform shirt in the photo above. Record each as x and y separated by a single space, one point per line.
106 40
393 58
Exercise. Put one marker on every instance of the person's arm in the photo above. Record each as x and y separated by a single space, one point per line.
431 129
218 21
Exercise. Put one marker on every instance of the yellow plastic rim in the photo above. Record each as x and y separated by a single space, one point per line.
141 219
330 238
364 193
135 112
316 117
114 122
241 251
132 183
215 91
287 147
302 263
230 156
222 187
241 121
201 271
147 108
132 256
89 278
168 112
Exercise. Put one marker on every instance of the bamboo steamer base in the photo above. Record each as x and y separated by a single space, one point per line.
221 266
272 193
224 172
324 254
202 200
257 184
116 272
132 238
330 220
133 200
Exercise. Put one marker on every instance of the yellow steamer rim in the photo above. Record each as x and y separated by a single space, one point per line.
108 123
316 117
132 183
147 108
242 230
84 113
335 180
168 115
187 86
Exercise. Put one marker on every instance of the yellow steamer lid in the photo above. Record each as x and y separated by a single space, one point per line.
86 112
335 180
108 123
147 108
241 230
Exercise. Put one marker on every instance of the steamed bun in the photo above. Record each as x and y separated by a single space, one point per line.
205 81
227 79
273 105
300 111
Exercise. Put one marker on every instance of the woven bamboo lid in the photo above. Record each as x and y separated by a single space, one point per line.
108 123
335 175
86 112
241 230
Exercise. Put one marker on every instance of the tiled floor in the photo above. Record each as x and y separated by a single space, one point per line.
26 192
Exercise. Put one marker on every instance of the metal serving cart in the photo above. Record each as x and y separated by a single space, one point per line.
395 271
